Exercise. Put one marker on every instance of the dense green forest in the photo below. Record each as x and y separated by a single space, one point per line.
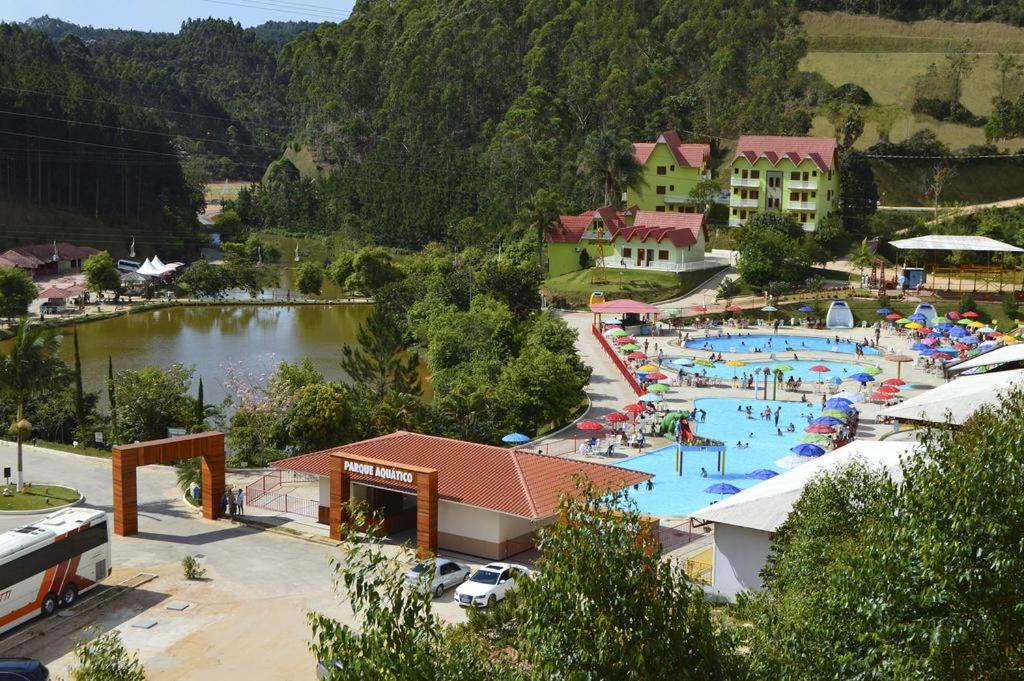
1007 11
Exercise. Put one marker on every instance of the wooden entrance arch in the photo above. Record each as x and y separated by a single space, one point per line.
346 468
209 446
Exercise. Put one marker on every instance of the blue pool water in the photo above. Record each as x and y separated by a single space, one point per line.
675 495
740 342
801 368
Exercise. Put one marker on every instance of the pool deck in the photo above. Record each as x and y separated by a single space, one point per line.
608 391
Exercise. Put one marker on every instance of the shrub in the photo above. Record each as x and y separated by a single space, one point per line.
967 303
192 569
104 658
1009 306
584 259
883 301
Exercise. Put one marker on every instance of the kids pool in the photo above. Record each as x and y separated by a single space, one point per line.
675 495
741 342
801 368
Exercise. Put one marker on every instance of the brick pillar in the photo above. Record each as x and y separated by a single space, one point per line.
126 512
426 514
213 484
340 490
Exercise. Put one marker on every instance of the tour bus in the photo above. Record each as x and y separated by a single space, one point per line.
47 564
128 265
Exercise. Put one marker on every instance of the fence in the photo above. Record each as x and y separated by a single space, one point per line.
623 369
699 566
266 493
288 503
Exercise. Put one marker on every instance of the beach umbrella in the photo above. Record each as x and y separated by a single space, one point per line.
515 438
938 321
699 308
820 429
987 345
836 413
946 351
616 333
838 402
735 363
861 377
917 317
647 367
592 426
870 370
899 360
769 308
792 461
804 449
814 438
651 397
893 316
734 308
722 488
994 334
927 342
920 346
927 352
616 417
903 322
806 308
657 388
961 346
974 324
762 474
970 314
635 408
965 322
636 355
958 332
828 421
704 362
622 340
890 389
629 347
880 397
883 311
913 326
820 368
954 315
969 340
850 396
944 325
656 376
835 380
894 381
925 329
935 334
783 367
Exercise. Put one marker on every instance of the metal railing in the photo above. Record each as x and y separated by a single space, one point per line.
288 503
623 369
263 493
699 570
666 266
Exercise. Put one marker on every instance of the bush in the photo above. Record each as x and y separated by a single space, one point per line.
851 93
939 109
883 301
104 658
1009 306
584 259
967 303
192 569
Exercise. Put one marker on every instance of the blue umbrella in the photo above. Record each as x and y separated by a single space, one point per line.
969 340
843 406
935 334
918 317
516 438
722 488
827 421
958 332
835 380
838 403
987 345
945 326
807 450
920 347
883 310
927 352
806 308
762 474
862 378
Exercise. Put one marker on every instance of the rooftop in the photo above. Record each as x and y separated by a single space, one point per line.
686 155
509 481
954 242
681 229
820 150
956 401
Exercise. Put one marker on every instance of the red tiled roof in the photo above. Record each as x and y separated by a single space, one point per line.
686 155
35 255
625 306
569 229
506 480
682 229
820 150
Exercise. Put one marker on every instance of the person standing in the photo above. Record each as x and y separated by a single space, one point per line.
232 506
224 504
240 501
778 410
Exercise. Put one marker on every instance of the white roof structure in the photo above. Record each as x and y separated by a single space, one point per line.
1001 355
954 242
157 263
767 504
956 401
155 268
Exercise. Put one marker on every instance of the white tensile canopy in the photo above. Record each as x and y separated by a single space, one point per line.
157 263
956 401
1001 355
147 269
954 242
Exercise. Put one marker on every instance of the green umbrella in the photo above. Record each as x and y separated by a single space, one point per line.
704 362
870 370
841 415
629 347
672 311
965 321
657 388
783 367
812 438
939 320
617 333
904 321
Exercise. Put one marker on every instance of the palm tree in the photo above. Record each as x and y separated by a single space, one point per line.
608 162
540 212
861 257
31 362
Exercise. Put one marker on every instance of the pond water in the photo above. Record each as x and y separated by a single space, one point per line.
744 342
213 337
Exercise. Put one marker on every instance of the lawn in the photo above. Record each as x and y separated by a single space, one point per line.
574 289
902 184
226 190
36 497
836 31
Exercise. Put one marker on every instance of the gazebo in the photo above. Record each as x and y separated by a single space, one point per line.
973 277
624 306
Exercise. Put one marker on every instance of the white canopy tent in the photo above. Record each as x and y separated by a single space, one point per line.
954 242
954 402
996 357
155 268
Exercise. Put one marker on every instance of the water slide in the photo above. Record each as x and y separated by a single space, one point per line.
687 434
839 316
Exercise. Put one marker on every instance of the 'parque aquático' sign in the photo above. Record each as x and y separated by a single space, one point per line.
382 472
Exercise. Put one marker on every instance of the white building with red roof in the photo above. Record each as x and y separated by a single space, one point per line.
794 175
485 501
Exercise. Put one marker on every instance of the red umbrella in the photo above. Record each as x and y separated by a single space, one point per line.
656 376
616 417
880 397
590 425
923 330
961 346
893 316
994 334
954 315
625 339
699 308
891 389
636 355
734 308
820 429
820 368
894 381
970 314
635 408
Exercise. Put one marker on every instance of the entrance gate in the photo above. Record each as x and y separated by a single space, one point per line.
126 458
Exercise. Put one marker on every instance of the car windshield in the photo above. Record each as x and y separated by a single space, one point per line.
486 577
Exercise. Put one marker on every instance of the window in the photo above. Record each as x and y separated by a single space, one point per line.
754 174
660 189
794 196
671 187
659 209
744 174
775 181
794 176
734 211
814 173
661 170
735 171
672 168
662 255
754 194
814 194
627 252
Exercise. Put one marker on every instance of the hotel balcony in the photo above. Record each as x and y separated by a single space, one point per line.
737 202
735 222
802 184
809 226
801 205
736 181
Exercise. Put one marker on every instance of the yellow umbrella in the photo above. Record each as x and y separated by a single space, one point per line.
913 326
646 367
976 325
1010 339
735 363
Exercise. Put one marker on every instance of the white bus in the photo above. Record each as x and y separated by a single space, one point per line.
47 564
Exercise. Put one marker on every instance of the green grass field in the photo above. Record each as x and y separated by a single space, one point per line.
903 184
574 288
37 498
226 190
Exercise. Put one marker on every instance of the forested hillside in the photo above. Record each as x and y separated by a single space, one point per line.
432 112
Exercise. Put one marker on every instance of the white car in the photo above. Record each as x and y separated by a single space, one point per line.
447 573
490 584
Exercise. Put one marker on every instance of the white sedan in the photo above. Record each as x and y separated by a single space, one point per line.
490 584
447 573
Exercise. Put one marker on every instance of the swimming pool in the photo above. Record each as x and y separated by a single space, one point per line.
675 495
742 342
801 368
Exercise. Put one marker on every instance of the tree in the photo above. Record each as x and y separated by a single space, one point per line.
310 280
851 128
540 213
936 182
151 400
379 361
608 163
728 289
203 279
320 417
105 658
858 192
705 192
537 388
17 291
80 414
200 414
30 362
1007 66
862 257
960 62
768 255
101 273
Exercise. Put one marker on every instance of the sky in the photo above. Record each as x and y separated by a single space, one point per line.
164 15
